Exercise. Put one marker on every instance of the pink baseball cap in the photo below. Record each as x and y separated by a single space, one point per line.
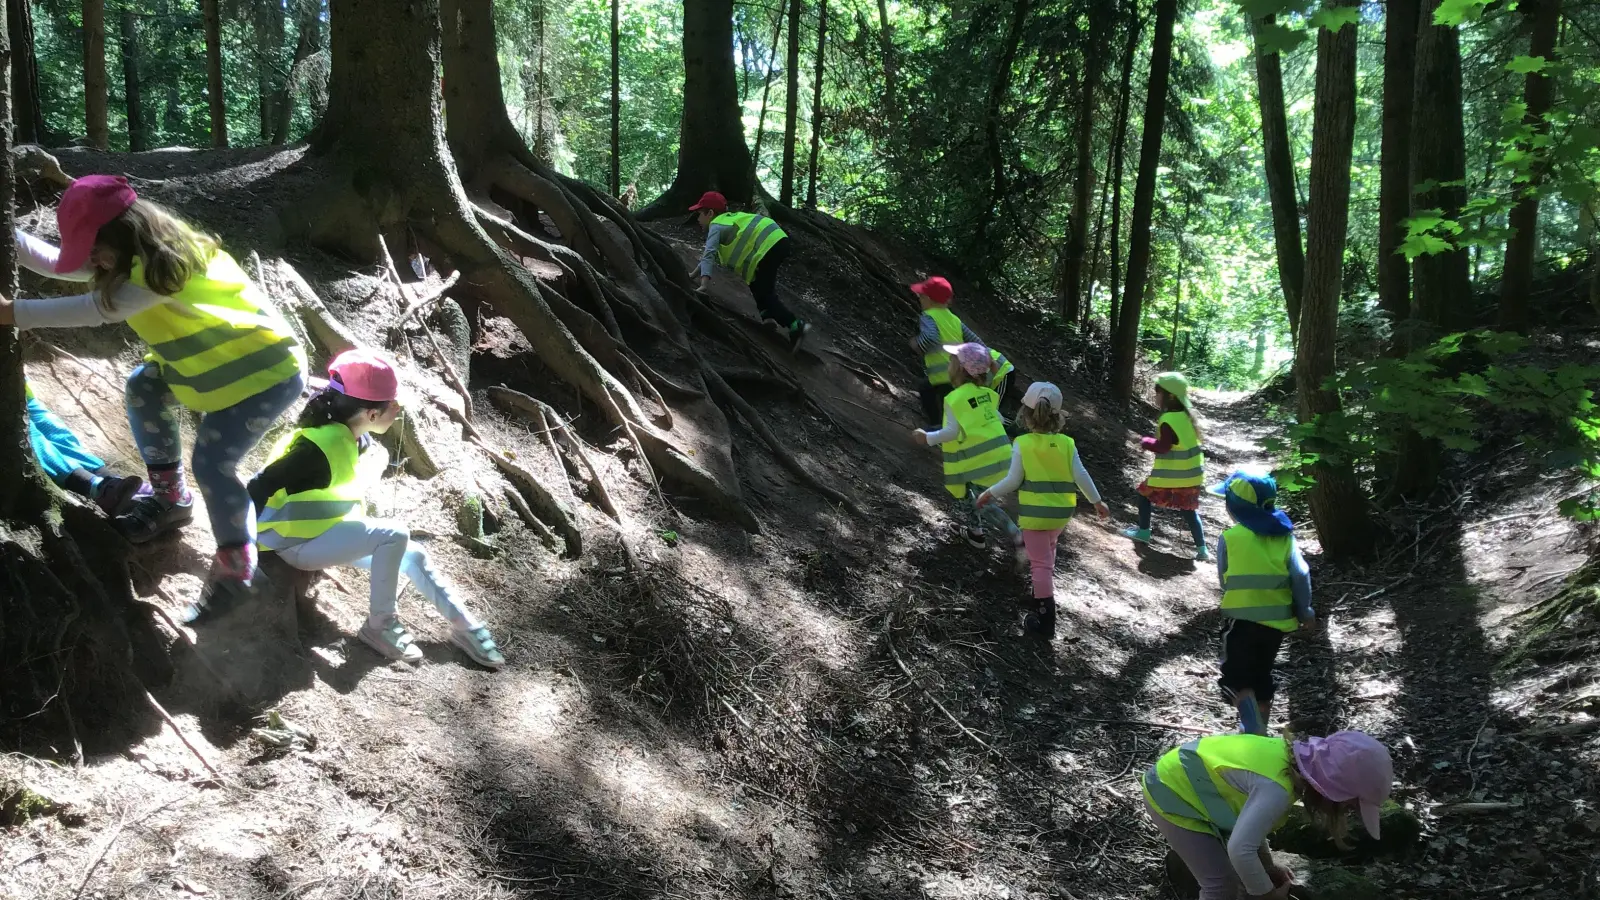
972 357
363 375
1348 765
89 204
936 289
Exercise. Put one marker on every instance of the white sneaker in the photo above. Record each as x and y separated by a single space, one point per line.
391 640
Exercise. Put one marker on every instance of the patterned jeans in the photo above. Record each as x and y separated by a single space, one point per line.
221 441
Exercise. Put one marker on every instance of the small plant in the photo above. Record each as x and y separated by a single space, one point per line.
670 538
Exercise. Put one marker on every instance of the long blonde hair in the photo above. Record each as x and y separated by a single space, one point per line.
1171 403
171 250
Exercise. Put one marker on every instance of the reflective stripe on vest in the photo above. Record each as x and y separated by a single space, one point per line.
1002 367
753 236
1255 586
936 364
1186 786
1049 495
290 519
219 340
982 453
1184 465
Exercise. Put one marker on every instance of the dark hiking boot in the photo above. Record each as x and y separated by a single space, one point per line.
219 598
117 495
152 517
1042 624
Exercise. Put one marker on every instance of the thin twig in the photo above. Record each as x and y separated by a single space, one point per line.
176 729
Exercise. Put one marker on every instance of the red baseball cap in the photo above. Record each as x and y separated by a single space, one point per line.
711 200
363 375
936 289
89 204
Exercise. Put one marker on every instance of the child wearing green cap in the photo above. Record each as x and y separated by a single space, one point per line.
1266 594
1179 469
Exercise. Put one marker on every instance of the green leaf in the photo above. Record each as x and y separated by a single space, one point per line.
1260 9
1455 12
1522 65
1334 18
1274 38
1424 245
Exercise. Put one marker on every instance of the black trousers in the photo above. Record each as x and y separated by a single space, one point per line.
764 287
933 403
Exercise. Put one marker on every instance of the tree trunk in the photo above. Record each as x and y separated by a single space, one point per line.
1394 192
816 105
1083 184
1119 157
128 38
308 41
269 22
616 98
1441 282
1125 343
1538 95
712 154
891 108
1338 505
1281 186
999 89
28 118
218 102
15 450
791 104
766 93
94 74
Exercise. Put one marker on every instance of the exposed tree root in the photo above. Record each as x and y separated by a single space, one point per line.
838 238
545 416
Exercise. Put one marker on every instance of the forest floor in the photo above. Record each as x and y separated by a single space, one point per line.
839 706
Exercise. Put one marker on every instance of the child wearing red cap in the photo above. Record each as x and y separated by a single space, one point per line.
977 451
216 345
1216 800
753 246
937 328
311 502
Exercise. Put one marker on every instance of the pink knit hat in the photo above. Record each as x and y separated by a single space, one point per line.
363 375
1345 766
972 357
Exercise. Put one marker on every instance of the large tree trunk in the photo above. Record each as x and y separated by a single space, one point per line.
28 118
816 105
1442 282
1338 505
999 89
1100 19
1281 187
215 97
891 107
791 104
1125 343
1538 95
712 154
94 74
128 39
616 98
1394 193
308 42
1118 159
269 22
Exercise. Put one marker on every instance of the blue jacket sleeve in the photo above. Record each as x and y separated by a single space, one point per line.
1300 584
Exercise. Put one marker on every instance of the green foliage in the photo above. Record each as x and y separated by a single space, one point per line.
1457 12
1334 18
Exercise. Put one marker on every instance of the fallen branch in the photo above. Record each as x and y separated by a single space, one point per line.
173 724
423 301
450 375
525 512
520 403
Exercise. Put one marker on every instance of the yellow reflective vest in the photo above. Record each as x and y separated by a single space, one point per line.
754 235
290 519
1184 465
1255 586
982 453
936 363
1049 492
219 340
1186 786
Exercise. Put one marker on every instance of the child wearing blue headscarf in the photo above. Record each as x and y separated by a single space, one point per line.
1266 594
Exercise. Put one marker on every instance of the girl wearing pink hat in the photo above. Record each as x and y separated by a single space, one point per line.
311 502
215 344
1216 799
977 451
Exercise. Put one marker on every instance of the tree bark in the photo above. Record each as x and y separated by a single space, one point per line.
1441 282
999 89
791 104
269 21
712 154
215 97
1538 96
766 93
1338 505
94 74
1394 192
1083 180
1119 157
308 41
616 98
15 449
1125 343
891 107
28 114
1281 187
128 38
816 105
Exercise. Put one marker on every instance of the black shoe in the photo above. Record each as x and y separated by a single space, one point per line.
152 517
797 335
1042 623
118 495
219 598
977 538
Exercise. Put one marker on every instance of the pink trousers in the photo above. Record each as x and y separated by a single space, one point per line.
1041 546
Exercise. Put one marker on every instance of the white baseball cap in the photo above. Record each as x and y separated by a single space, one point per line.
1042 392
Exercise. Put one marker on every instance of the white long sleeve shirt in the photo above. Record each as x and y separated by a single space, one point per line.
1265 803
1014 477
78 310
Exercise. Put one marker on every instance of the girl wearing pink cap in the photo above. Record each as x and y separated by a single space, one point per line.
1216 799
977 451
311 502
216 345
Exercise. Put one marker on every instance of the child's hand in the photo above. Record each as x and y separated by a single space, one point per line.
1103 511
920 438
984 499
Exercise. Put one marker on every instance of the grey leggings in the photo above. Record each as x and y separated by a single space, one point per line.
1206 857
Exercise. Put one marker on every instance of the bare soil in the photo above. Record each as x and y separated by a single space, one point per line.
838 706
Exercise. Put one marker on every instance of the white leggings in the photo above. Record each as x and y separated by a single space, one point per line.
384 549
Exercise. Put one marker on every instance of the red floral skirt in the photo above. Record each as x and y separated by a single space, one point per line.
1186 498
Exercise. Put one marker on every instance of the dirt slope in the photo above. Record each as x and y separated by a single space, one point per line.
838 706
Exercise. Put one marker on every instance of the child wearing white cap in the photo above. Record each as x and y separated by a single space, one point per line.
1048 475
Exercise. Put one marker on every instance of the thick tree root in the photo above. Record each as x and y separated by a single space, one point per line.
545 416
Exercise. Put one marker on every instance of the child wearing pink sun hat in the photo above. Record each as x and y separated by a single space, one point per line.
977 450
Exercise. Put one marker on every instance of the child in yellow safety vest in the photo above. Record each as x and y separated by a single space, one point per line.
1216 800
1048 475
216 346
311 499
1266 594
977 452
753 246
938 328
1179 469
